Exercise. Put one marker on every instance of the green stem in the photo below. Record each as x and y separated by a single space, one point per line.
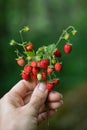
64 31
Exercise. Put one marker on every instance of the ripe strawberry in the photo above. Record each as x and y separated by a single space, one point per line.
20 61
27 69
39 64
49 86
57 53
58 67
34 77
35 70
44 64
25 76
56 82
67 48
44 76
34 64
49 71
29 47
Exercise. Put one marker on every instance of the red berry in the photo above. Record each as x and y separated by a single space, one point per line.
49 71
44 76
58 67
67 48
57 53
34 77
25 76
34 64
21 61
39 64
29 47
56 82
27 69
44 64
49 86
35 70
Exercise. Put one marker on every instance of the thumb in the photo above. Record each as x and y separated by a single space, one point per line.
38 98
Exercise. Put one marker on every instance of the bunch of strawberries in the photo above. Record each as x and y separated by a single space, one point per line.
40 66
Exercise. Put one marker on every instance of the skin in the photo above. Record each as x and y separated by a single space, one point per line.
26 104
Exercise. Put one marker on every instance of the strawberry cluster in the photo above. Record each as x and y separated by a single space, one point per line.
40 66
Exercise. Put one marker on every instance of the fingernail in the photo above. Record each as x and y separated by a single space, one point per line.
61 96
42 87
61 101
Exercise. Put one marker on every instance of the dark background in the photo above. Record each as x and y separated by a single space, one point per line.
47 19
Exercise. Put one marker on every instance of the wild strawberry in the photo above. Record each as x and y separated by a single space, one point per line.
27 69
56 82
29 47
35 70
34 64
44 76
49 71
34 77
44 64
67 48
20 61
49 86
57 53
25 76
58 67
39 76
39 64
66 36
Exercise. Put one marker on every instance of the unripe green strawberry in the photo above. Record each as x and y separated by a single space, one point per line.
53 61
58 67
20 61
39 76
66 36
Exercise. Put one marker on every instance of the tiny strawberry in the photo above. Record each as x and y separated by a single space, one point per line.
67 48
29 47
49 86
34 77
44 76
44 64
20 61
56 82
49 71
57 53
39 64
34 64
35 70
58 67
25 76
66 36
27 69
39 76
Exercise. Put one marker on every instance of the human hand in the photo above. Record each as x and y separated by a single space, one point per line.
23 107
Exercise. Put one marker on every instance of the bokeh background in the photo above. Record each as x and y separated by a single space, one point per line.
47 19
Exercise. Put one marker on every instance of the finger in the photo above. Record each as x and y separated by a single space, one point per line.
55 105
38 98
54 96
22 87
51 106
27 97
43 116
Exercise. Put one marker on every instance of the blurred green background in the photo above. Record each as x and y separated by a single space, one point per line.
47 19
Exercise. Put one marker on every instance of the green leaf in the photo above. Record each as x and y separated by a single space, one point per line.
51 48
32 54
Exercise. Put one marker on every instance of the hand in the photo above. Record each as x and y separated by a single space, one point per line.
23 107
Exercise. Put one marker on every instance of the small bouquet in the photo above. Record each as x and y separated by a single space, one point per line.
42 65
